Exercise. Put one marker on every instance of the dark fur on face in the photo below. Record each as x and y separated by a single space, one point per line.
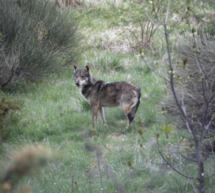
100 94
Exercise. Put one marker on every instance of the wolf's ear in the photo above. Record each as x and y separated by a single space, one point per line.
75 67
88 69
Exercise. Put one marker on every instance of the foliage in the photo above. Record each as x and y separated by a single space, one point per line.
37 39
7 107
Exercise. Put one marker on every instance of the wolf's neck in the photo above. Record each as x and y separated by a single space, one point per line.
86 89
93 80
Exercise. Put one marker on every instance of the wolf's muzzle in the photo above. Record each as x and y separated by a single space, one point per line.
77 84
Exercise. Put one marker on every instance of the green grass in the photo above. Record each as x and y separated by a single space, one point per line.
55 115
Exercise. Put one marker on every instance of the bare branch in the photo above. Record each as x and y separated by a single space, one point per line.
166 79
171 166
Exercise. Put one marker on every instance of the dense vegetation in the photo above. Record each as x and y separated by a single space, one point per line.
158 153
36 40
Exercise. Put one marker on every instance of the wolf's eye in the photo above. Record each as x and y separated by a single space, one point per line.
82 76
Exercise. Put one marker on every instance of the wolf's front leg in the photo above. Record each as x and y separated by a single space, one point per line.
101 114
95 116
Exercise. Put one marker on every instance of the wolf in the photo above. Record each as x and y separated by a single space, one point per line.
101 94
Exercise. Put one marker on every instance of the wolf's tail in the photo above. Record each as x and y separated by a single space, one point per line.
135 106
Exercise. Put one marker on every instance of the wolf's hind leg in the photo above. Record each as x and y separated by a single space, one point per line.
130 109
132 112
126 109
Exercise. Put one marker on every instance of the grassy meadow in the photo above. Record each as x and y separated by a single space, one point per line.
55 115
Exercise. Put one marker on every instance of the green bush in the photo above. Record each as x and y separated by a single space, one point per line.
36 39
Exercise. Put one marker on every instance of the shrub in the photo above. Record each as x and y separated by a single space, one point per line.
36 39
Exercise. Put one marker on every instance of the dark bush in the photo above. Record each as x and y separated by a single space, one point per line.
36 39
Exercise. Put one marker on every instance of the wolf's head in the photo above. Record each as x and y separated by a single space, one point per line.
82 76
